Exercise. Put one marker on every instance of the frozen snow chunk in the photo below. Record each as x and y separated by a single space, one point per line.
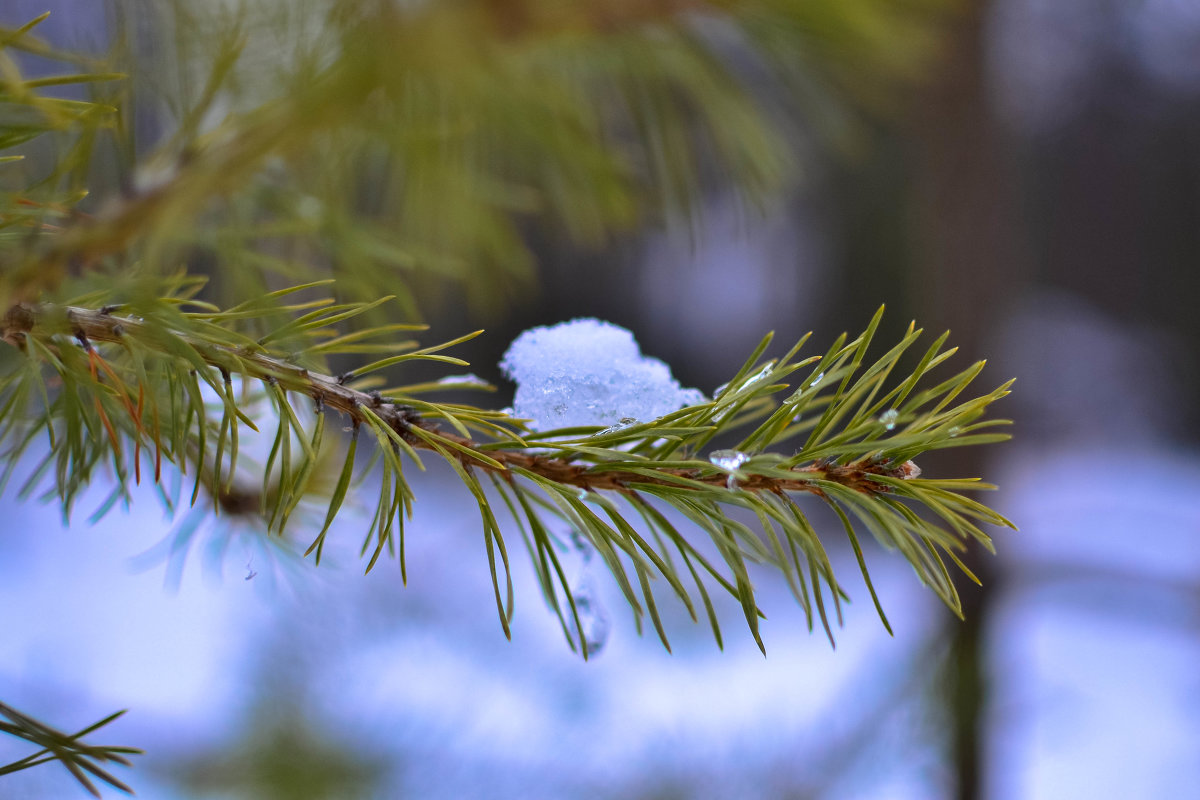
588 372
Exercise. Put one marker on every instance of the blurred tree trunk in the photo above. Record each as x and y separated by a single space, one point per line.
968 266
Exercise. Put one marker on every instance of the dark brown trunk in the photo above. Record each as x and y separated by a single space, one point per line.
967 264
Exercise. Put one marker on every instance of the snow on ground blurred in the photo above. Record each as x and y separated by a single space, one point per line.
422 674
1095 647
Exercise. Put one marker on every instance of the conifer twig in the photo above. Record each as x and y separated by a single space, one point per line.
89 325
857 457
79 758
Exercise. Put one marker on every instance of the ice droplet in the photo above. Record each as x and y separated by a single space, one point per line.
759 376
593 624
469 379
747 382
817 379
582 546
728 459
888 418
953 432
622 424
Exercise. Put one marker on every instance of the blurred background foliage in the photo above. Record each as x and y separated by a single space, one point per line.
1024 172
388 144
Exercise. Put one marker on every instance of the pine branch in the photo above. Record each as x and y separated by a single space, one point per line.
88 326
80 759
861 439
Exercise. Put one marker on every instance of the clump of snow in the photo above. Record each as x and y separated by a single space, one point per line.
589 372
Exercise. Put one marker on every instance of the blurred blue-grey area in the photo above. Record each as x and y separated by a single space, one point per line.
1039 195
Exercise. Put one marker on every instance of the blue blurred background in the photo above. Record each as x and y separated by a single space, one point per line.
1038 193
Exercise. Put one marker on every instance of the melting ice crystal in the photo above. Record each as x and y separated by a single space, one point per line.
593 625
589 372
593 621
469 379
622 424
728 459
